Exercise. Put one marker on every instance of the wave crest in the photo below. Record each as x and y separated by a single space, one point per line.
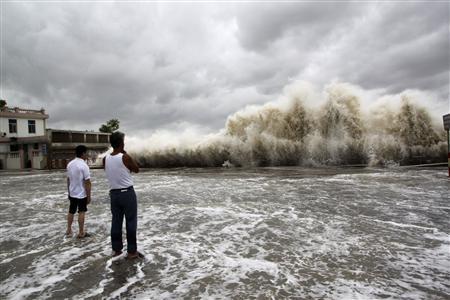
296 130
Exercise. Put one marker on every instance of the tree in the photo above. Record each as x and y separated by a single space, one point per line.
110 126
2 104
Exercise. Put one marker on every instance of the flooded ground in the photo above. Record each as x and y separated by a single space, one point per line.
269 233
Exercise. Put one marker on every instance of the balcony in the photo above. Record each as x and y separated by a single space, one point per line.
63 139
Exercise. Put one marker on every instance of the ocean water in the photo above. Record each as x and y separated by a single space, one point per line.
262 233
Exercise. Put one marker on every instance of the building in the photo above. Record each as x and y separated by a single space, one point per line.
63 142
26 143
23 139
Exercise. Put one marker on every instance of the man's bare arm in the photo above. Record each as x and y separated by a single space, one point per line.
87 187
130 163
68 187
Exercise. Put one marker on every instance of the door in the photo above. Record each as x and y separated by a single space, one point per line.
26 157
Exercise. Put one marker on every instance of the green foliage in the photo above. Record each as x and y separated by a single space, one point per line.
110 126
2 103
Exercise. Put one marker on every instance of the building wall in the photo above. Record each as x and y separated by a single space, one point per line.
16 160
4 125
3 161
4 149
26 155
13 161
39 161
22 127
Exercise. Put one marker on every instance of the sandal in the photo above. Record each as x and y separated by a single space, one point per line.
83 236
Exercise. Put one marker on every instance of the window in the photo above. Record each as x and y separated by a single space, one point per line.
31 126
12 125
36 146
13 148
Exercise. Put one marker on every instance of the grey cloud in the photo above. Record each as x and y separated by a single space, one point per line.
394 47
409 63
262 25
155 65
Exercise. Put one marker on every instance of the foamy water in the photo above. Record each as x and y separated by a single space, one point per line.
267 233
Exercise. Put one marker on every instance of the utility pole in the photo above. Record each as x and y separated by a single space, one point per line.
447 128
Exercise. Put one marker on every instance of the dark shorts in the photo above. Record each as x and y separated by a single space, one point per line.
80 203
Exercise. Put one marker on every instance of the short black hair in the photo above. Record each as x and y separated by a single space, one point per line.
80 150
116 139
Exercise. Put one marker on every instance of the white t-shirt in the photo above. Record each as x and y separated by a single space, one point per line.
77 172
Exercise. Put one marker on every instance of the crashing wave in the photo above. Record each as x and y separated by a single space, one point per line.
297 131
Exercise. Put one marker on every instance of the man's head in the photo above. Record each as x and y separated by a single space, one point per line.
81 151
117 139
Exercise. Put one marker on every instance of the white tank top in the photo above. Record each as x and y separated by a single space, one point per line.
119 176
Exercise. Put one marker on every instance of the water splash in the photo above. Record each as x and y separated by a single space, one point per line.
305 128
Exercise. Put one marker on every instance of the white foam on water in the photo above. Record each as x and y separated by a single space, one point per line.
216 237
247 265
401 225
130 281
28 252
44 275
439 236
349 289
47 271
99 289
441 207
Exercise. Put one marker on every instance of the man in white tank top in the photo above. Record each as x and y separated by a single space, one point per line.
118 167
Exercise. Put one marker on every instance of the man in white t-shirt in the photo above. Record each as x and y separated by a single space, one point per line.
79 188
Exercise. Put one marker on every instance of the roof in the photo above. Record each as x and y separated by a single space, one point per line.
21 113
77 131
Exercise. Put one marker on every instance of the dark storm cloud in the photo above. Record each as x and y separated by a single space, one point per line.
393 47
404 49
262 25
161 65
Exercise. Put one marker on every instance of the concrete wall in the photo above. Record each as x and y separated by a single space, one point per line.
39 161
22 127
4 149
4 125
3 161
13 161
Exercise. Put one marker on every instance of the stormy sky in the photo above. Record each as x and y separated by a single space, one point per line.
189 65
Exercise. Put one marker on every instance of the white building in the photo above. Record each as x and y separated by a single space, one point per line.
23 139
